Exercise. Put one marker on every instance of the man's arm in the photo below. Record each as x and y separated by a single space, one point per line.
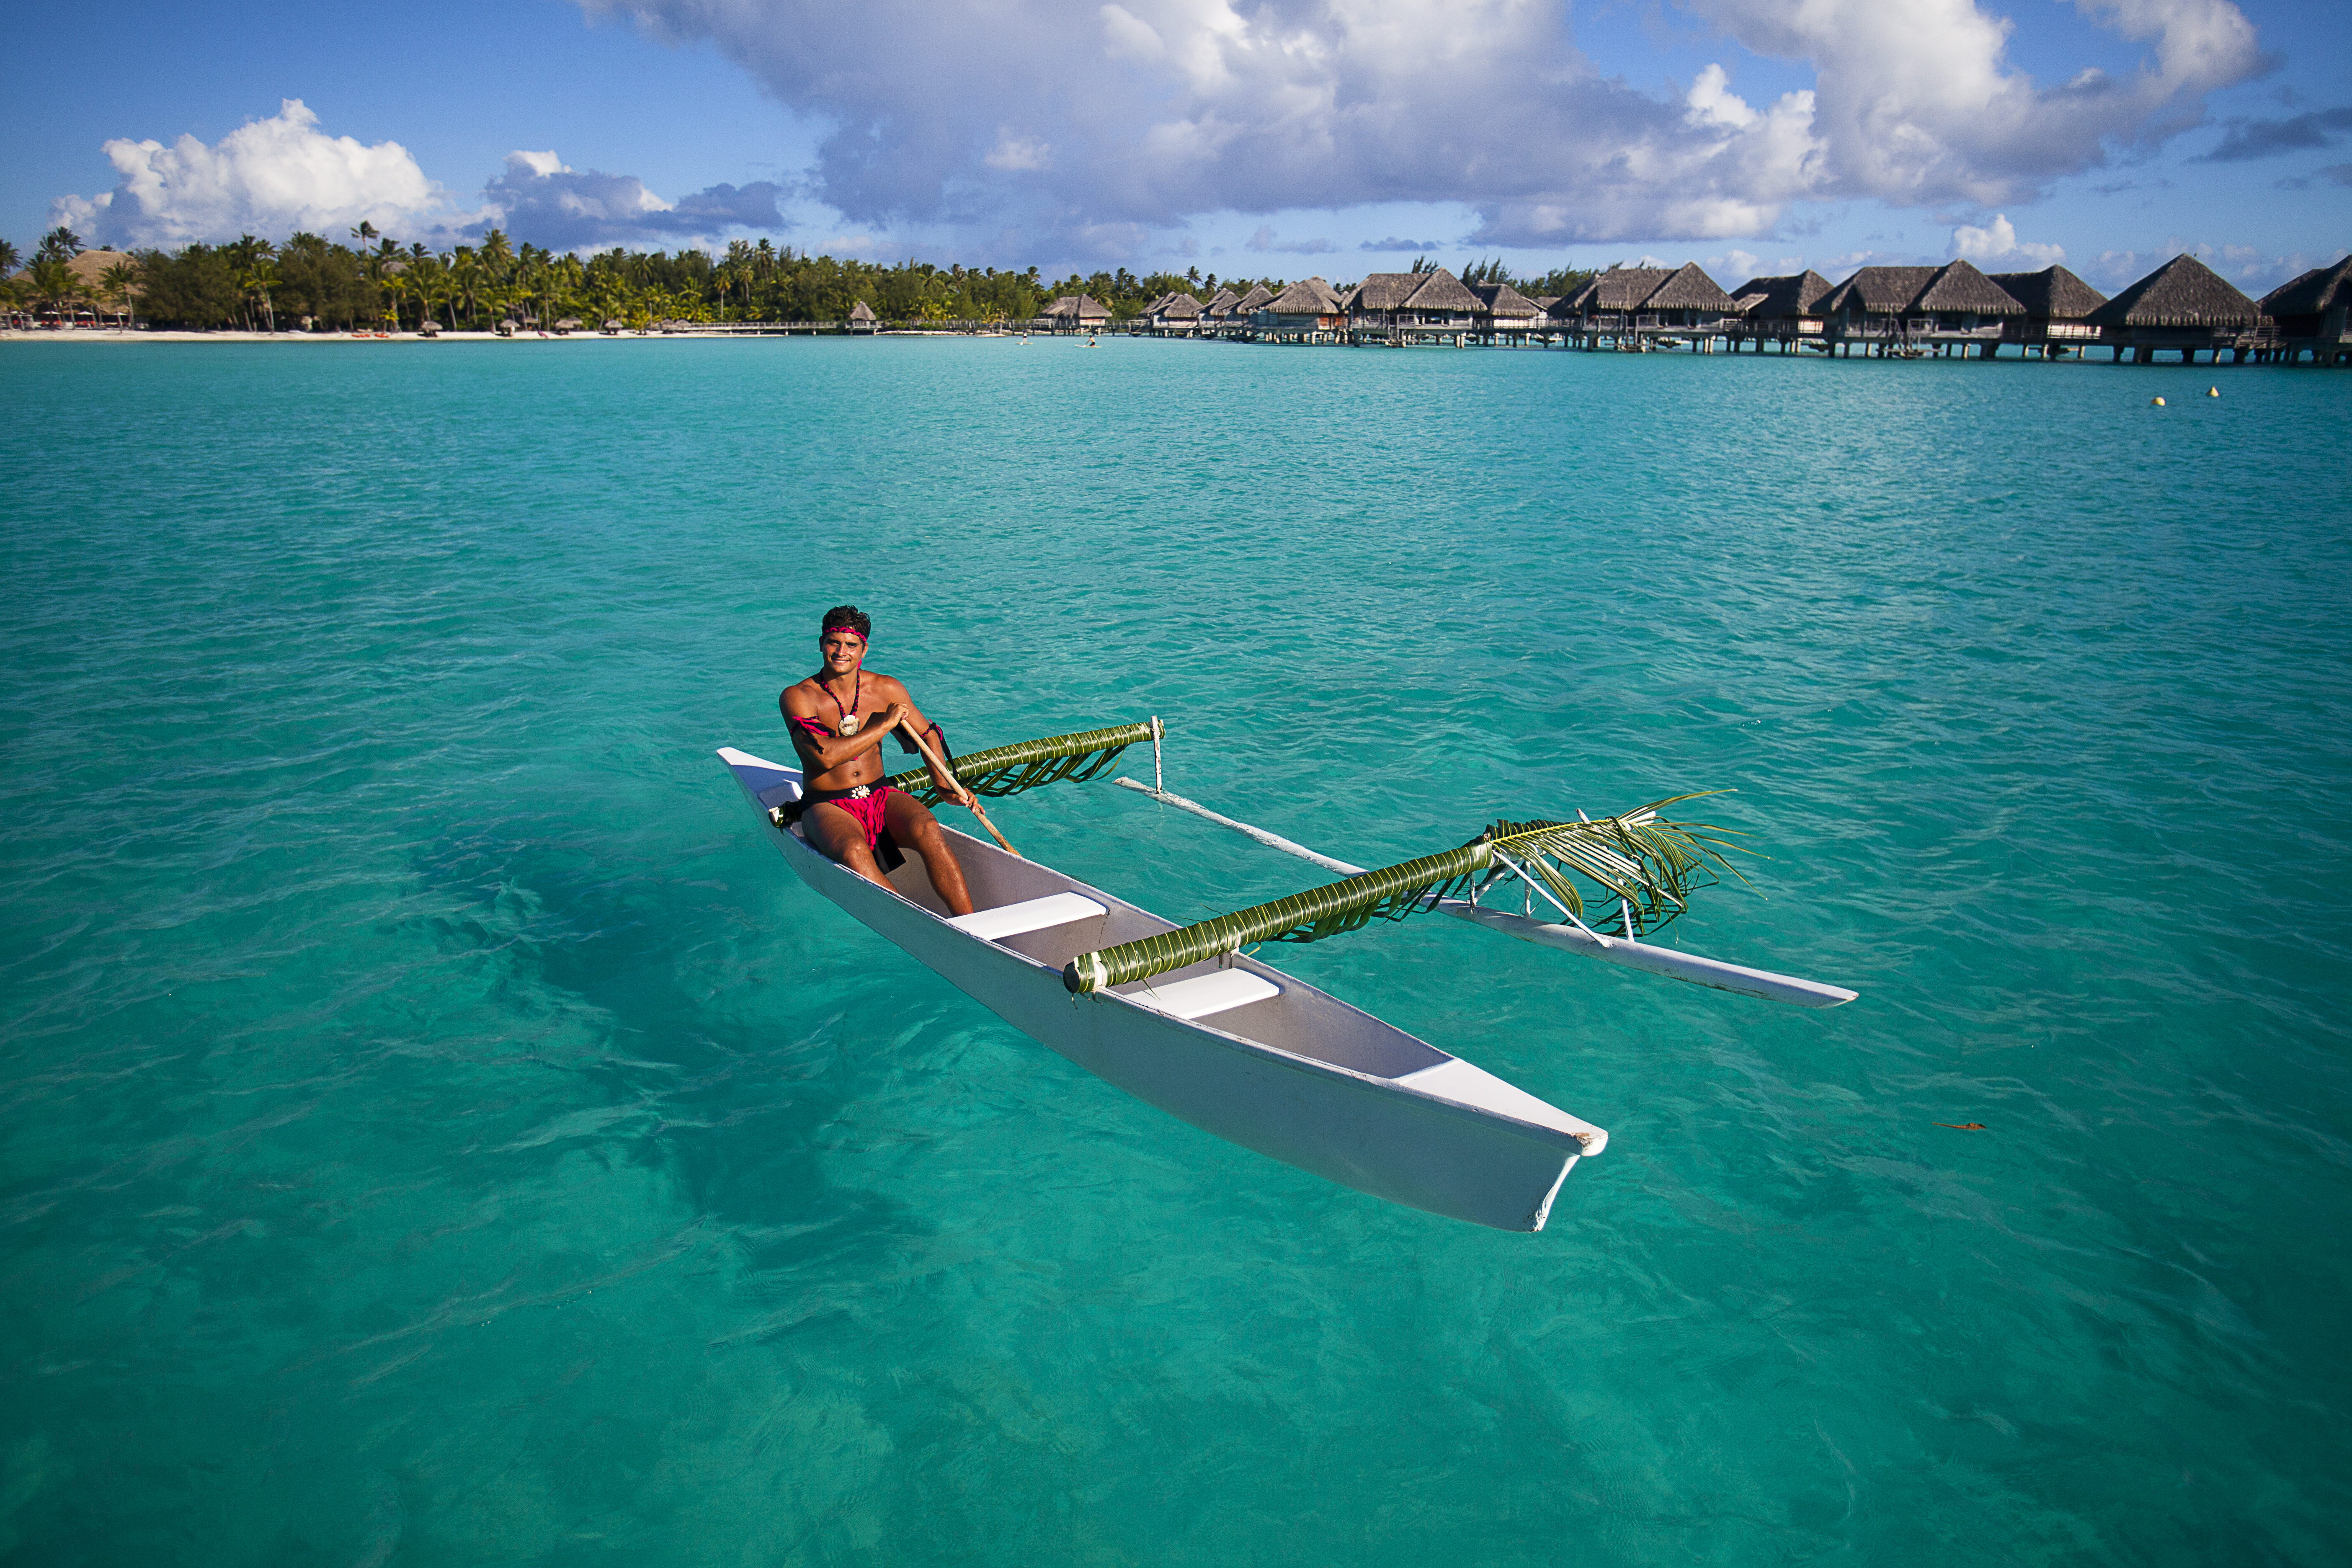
917 723
822 753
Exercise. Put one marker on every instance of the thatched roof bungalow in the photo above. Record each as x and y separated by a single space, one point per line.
1616 293
1785 306
2058 307
1400 305
861 318
1375 307
1221 305
2183 304
2310 313
1248 304
1503 309
1959 297
1304 313
1952 304
1177 312
1075 312
1442 302
1688 298
1873 302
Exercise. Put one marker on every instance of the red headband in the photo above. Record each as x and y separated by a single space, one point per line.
853 631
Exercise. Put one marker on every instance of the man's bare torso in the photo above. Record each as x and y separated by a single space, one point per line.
870 699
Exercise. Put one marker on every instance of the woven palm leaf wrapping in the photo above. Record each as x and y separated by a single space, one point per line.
1026 764
1394 892
1652 865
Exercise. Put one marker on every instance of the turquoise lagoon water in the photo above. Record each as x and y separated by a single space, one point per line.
439 1130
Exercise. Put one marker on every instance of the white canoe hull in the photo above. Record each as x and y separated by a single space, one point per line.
1301 1076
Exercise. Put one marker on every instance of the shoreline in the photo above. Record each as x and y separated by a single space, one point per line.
143 335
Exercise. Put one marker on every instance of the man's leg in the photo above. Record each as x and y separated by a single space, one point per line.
913 825
839 836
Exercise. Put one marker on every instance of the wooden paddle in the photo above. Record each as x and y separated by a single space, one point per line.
969 799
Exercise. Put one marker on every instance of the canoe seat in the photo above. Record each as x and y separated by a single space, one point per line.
1207 994
1033 914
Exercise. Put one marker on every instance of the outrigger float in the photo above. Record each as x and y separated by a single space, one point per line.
1186 1019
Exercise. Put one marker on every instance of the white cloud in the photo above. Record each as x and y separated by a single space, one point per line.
267 177
1915 101
1013 152
1265 241
1160 110
270 177
1998 248
2252 269
544 200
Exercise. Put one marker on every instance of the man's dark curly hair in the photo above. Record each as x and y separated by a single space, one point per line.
848 616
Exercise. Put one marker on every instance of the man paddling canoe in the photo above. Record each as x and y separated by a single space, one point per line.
837 726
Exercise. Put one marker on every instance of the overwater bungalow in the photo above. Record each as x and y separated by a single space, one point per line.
1643 307
1786 308
1689 299
1442 307
2183 305
1911 312
2309 315
1610 299
2058 307
1308 311
1174 315
1870 307
861 317
1374 305
1220 306
1504 313
1962 309
1411 307
1073 313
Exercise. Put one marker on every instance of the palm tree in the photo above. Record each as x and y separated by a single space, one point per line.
497 253
60 244
466 280
9 260
118 283
426 281
249 270
52 282
377 263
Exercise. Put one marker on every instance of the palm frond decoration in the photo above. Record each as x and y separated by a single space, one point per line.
1026 764
1650 864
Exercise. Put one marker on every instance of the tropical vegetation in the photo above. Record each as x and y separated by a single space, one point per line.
367 280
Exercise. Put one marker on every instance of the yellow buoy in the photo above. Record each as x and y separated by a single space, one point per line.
2155 403
2212 391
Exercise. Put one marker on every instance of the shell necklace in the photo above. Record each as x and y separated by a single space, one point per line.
849 714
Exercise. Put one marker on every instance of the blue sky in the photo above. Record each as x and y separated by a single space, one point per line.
1280 137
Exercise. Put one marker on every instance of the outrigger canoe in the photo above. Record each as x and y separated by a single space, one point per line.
1185 1019
1232 1045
